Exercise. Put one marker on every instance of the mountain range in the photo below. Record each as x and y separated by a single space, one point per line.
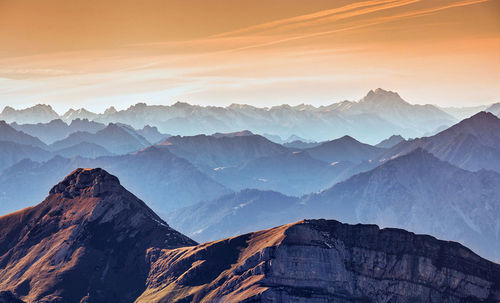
91 240
417 191
223 183
373 118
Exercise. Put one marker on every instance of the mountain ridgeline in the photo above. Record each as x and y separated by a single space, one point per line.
373 118
91 240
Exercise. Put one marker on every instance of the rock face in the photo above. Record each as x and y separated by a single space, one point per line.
323 261
86 242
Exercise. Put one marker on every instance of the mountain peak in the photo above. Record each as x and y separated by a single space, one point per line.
89 182
380 95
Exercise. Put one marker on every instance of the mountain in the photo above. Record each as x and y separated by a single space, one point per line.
91 240
233 134
421 193
81 113
83 149
417 192
88 241
155 175
47 132
13 152
473 143
297 144
118 139
494 109
345 148
293 173
376 116
323 261
39 113
391 141
232 214
209 152
461 113
391 107
8 133
152 134
56 130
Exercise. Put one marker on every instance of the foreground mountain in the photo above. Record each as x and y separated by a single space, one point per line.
91 240
87 242
323 261
472 144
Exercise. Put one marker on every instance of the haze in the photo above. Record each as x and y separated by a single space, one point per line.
95 54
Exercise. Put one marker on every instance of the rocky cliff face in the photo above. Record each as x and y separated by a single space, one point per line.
86 242
323 261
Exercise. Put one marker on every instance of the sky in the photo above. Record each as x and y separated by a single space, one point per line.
101 53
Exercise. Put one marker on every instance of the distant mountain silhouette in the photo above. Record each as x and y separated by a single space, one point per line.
152 134
292 173
391 141
88 241
472 144
210 152
231 214
39 113
83 149
12 153
81 113
375 117
344 149
57 129
8 133
494 109
167 182
115 138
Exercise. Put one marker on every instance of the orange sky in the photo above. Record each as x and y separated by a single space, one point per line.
100 53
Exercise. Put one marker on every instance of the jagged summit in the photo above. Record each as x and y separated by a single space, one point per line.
380 95
94 181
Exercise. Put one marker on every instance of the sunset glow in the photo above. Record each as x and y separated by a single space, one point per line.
96 53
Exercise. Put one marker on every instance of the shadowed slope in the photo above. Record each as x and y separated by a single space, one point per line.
87 241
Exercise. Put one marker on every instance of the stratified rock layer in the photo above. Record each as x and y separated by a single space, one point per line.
323 261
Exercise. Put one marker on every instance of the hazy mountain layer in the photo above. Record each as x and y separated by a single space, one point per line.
375 117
